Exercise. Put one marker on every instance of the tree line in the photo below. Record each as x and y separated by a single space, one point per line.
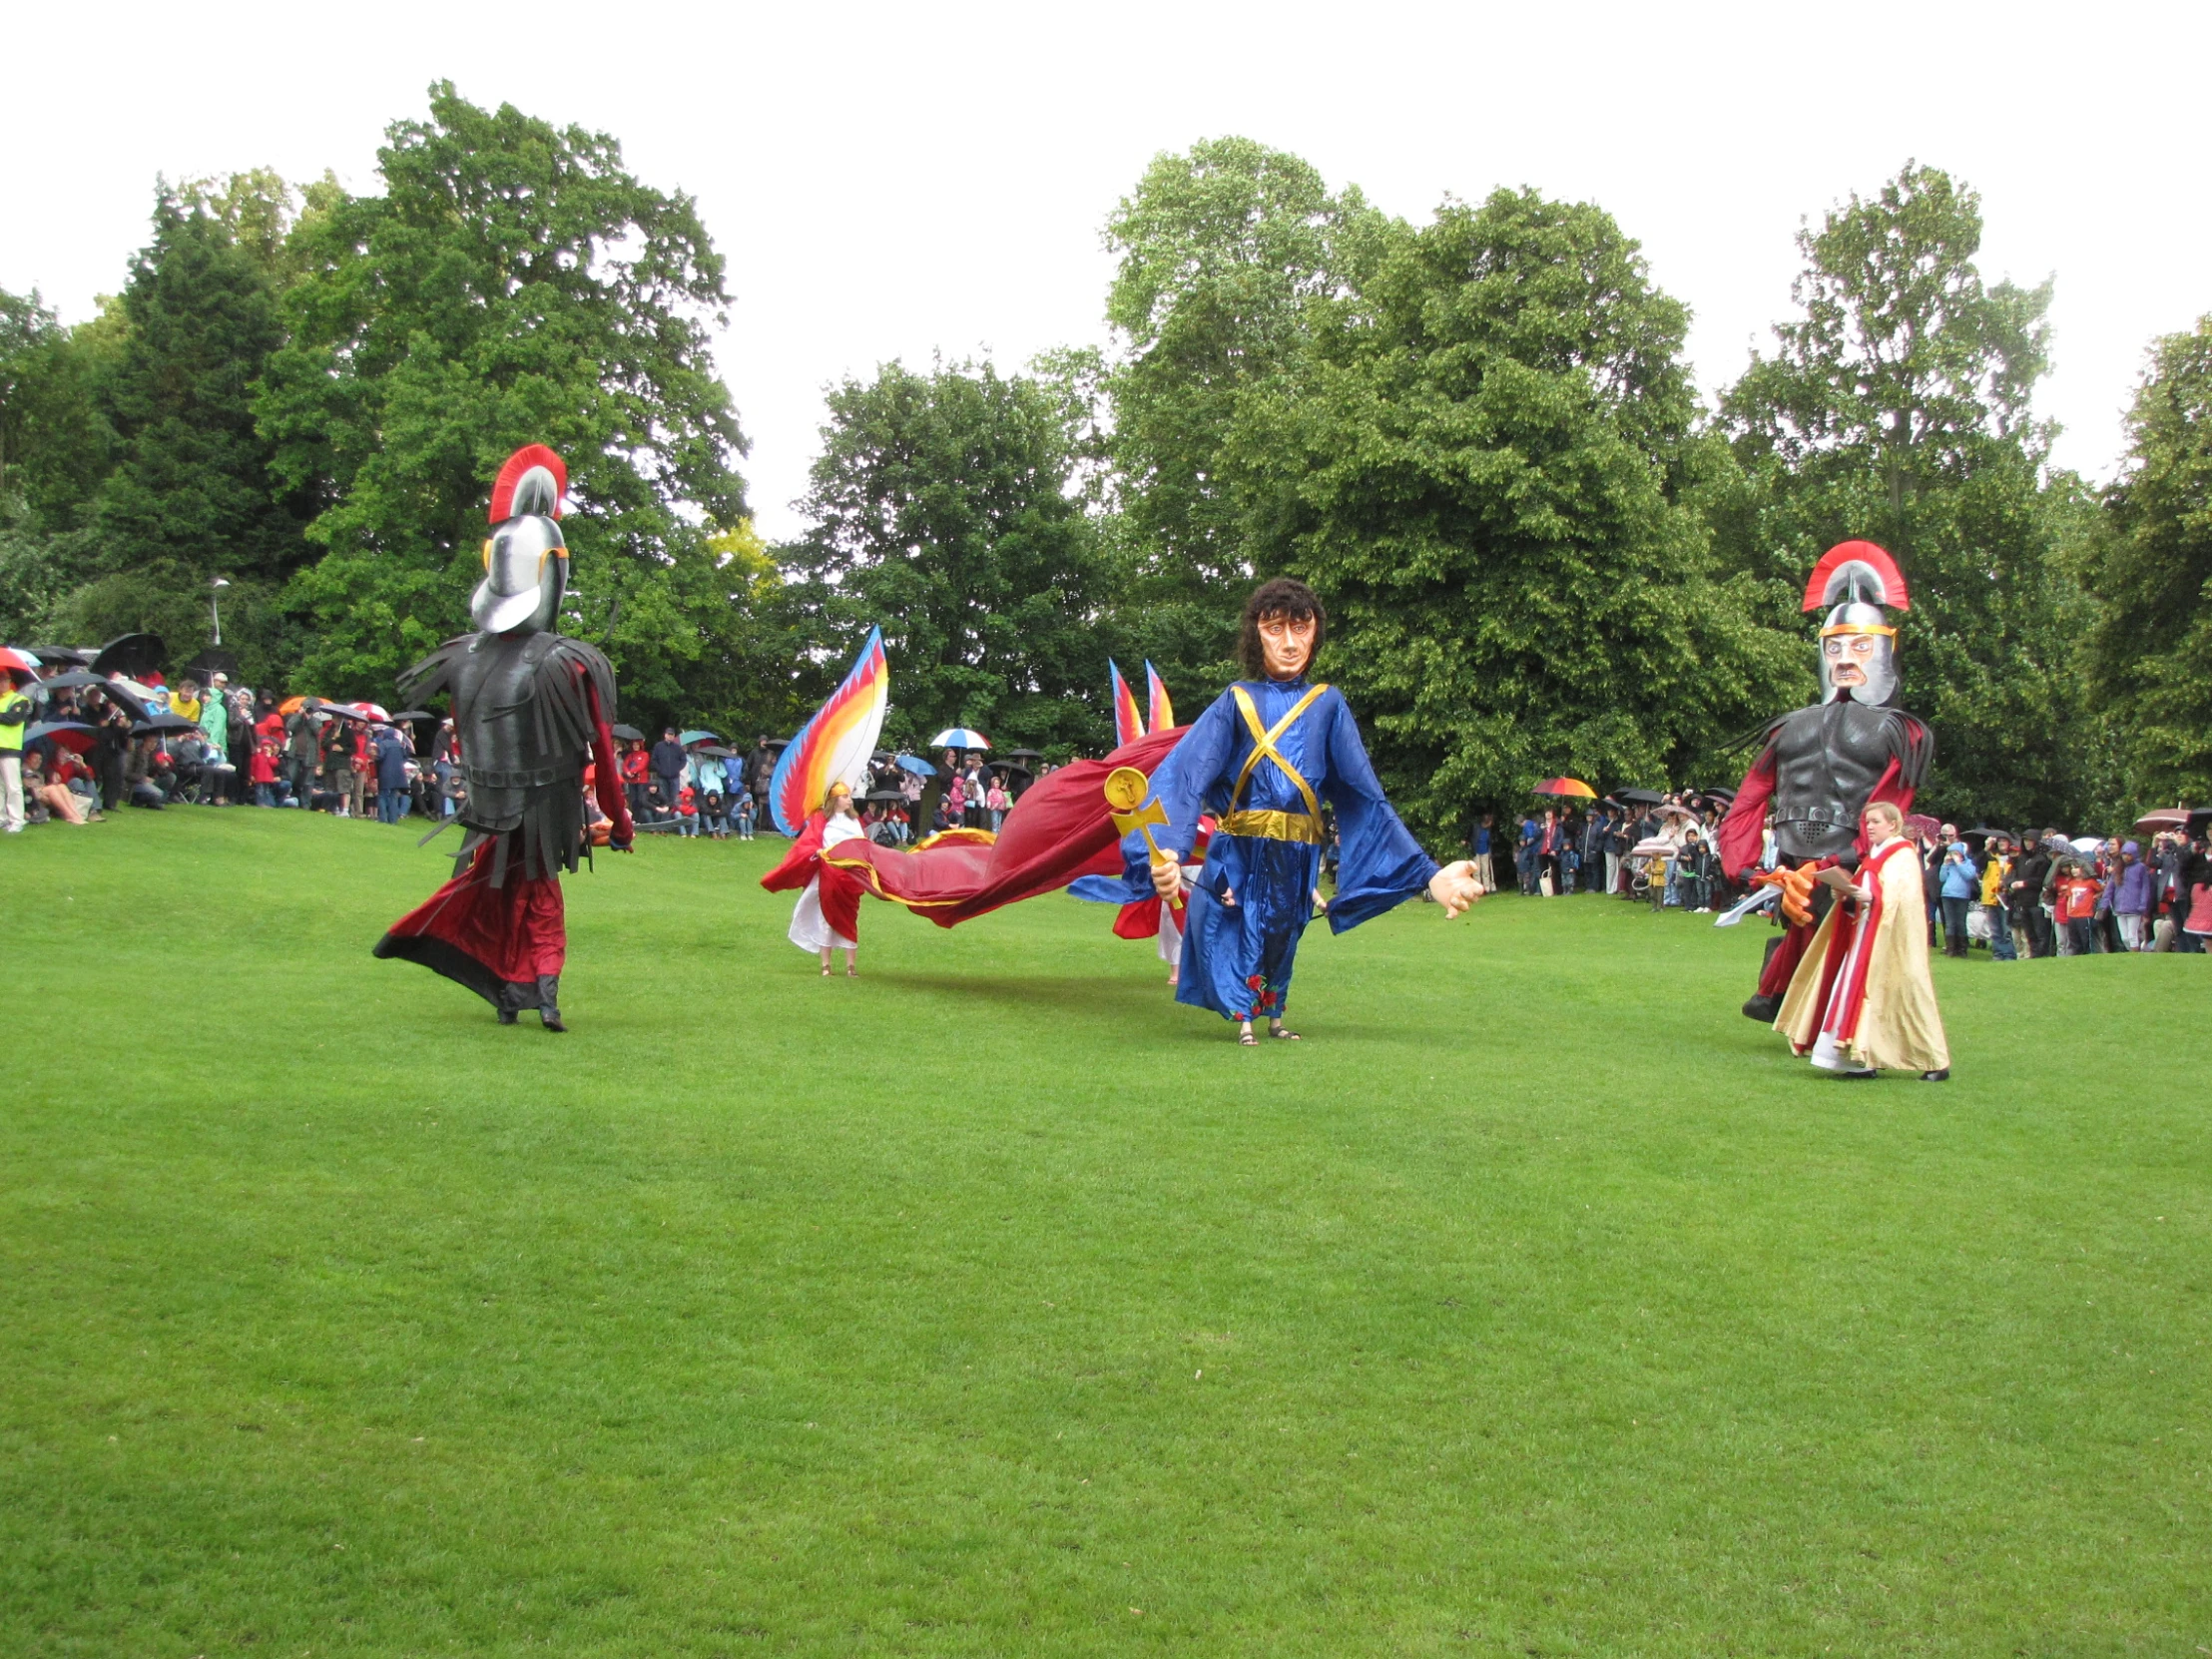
1476 437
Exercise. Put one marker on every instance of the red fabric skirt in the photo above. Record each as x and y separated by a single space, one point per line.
498 941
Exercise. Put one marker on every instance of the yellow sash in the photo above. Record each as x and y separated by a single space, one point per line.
1263 747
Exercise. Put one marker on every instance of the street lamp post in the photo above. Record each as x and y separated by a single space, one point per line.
215 606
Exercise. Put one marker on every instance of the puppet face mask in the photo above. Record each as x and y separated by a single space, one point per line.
1858 657
1287 642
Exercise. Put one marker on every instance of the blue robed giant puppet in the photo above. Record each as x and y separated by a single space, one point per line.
1262 760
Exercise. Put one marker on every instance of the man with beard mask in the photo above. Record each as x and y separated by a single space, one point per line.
1821 766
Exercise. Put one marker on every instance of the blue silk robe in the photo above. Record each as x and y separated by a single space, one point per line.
1254 892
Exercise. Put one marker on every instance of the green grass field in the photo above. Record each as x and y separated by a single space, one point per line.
992 1305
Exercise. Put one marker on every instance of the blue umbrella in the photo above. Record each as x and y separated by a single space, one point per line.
918 765
960 736
699 735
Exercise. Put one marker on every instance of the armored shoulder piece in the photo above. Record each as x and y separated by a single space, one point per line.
564 712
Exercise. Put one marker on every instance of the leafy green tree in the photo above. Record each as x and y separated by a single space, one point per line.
1897 407
943 510
1221 251
56 448
53 445
1482 464
192 496
513 284
2150 567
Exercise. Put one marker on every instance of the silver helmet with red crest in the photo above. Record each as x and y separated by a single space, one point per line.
525 559
1861 584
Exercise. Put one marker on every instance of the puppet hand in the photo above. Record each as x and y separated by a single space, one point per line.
619 847
1167 877
1796 894
1455 888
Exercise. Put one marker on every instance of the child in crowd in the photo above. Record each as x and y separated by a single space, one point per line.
998 800
2077 907
740 816
686 812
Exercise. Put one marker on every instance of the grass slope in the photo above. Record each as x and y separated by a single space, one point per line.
992 1305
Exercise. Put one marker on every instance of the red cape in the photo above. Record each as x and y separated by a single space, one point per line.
1060 828
840 892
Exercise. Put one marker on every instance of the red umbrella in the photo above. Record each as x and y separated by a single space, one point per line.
10 658
73 735
1568 788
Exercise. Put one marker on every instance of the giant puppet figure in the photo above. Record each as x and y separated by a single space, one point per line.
1262 761
529 709
1820 767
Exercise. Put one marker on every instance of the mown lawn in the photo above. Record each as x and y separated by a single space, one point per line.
992 1305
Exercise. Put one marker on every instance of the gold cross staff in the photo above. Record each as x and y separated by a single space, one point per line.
1125 792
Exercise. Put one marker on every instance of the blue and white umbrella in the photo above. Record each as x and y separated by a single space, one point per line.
960 736
918 765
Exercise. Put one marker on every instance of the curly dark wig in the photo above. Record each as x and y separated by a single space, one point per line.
1278 596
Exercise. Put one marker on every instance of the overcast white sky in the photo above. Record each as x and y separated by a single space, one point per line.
890 180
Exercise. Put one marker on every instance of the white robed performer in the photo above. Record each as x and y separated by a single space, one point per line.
1862 999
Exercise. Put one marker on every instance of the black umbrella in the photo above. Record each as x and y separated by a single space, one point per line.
158 726
1645 798
1985 829
58 653
415 714
80 677
627 734
137 655
883 794
779 743
213 660
1024 755
715 750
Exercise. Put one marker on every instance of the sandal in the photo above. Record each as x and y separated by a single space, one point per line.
853 973
1245 1039
825 973
1286 1036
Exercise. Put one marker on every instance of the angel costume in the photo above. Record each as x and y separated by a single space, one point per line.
828 909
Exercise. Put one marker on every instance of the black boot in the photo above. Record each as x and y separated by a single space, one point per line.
549 1006
1763 1009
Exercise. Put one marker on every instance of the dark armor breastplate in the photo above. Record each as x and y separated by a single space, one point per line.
1826 762
501 761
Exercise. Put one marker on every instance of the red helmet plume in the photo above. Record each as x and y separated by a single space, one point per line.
1856 570
518 468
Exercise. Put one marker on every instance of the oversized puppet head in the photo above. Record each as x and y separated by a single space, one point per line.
525 559
1862 584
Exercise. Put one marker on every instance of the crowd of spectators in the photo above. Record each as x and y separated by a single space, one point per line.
74 751
2014 895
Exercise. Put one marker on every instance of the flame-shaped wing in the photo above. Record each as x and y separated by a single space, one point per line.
833 747
1161 713
1128 721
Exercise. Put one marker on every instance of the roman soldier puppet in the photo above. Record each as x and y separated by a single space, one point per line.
1820 767
530 709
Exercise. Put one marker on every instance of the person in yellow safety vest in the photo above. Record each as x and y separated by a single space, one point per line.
15 714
